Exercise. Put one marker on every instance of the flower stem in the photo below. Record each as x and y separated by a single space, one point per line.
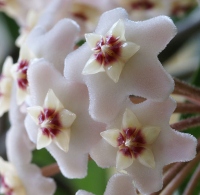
193 182
186 123
187 90
178 179
187 108
169 175
50 170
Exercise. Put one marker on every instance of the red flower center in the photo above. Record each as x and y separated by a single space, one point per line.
4 185
22 71
131 142
108 50
49 122
142 5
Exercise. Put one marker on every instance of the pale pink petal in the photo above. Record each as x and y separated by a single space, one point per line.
31 176
18 145
111 136
123 161
55 44
32 134
104 154
120 184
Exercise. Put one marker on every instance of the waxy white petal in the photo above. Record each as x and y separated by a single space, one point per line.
123 161
150 133
25 53
92 66
42 140
130 120
92 39
21 95
34 112
147 158
7 66
128 49
51 101
111 136
62 140
118 30
67 118
114 70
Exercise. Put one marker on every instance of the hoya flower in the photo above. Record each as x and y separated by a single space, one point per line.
5 86
142 75
180 8
71 150
55 43
31 20
144 9
133 141
110 52
21 175
18 9
54 122
19 73
117 185
141 143
9 180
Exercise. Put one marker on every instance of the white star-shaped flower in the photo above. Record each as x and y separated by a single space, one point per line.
9 180
84 130
133 141
111 52
143 75
54 122
144 144
5 86
19 73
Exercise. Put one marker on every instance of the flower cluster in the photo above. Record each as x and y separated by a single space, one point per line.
75 102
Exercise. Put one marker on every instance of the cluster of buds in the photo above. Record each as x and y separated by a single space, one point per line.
75 102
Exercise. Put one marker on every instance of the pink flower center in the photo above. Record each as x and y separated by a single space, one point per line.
8 190
49 122
180 9
2 4
107 50
131 142
142 5
80 16
22 74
